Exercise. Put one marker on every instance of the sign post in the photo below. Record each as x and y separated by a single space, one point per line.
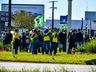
63 22
63 19
64 25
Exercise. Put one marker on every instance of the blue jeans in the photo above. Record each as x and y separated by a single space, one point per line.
63 42
16 49
54 47
34 48
40 45
79 43
31 46
27 47
46 47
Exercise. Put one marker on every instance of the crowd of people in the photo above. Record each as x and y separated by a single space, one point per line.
43 41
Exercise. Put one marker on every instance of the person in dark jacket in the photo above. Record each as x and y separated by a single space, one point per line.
79 38
71 42
27 40
62 40
23 40
8 39
40 38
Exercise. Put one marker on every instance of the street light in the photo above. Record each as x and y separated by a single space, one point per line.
69 22
9 15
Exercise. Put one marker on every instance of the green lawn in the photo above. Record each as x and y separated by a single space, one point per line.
62 58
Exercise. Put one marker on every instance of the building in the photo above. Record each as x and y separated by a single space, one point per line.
3 19
35 9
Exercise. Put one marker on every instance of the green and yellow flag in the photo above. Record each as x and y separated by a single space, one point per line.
39 21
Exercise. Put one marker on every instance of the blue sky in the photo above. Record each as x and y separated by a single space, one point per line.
78 8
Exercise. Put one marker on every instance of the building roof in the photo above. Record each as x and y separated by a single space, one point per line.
27 4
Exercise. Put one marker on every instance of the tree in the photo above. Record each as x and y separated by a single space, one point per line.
23 19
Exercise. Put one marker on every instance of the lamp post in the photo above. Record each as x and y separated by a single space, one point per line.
69 13
9 15
69 22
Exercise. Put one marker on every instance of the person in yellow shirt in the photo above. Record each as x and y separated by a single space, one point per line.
54 42
16 41
46 39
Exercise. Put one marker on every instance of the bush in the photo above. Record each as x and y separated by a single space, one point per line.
7 47
89 47
1 45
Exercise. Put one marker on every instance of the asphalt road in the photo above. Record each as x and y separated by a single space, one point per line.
41 66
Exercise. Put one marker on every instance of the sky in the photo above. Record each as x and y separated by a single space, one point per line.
78 7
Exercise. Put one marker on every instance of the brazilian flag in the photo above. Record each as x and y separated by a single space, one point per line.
39 21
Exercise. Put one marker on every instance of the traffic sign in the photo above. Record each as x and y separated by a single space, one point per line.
63 19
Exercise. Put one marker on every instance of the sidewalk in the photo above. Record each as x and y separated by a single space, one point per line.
41 66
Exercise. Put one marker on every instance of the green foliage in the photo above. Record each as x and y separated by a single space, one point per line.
23 19
1 45
7 47
89 47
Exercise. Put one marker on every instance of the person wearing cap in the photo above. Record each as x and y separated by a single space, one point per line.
46 39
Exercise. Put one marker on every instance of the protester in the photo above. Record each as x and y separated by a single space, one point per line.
40 38
16 39
47 40
3 39
62 40
7 40
72 44
54 43
79 38
23 41
35 42
27 41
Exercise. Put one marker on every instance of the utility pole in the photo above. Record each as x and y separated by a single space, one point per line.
69 22
53 12
82 25
9 15
69 13
90 29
